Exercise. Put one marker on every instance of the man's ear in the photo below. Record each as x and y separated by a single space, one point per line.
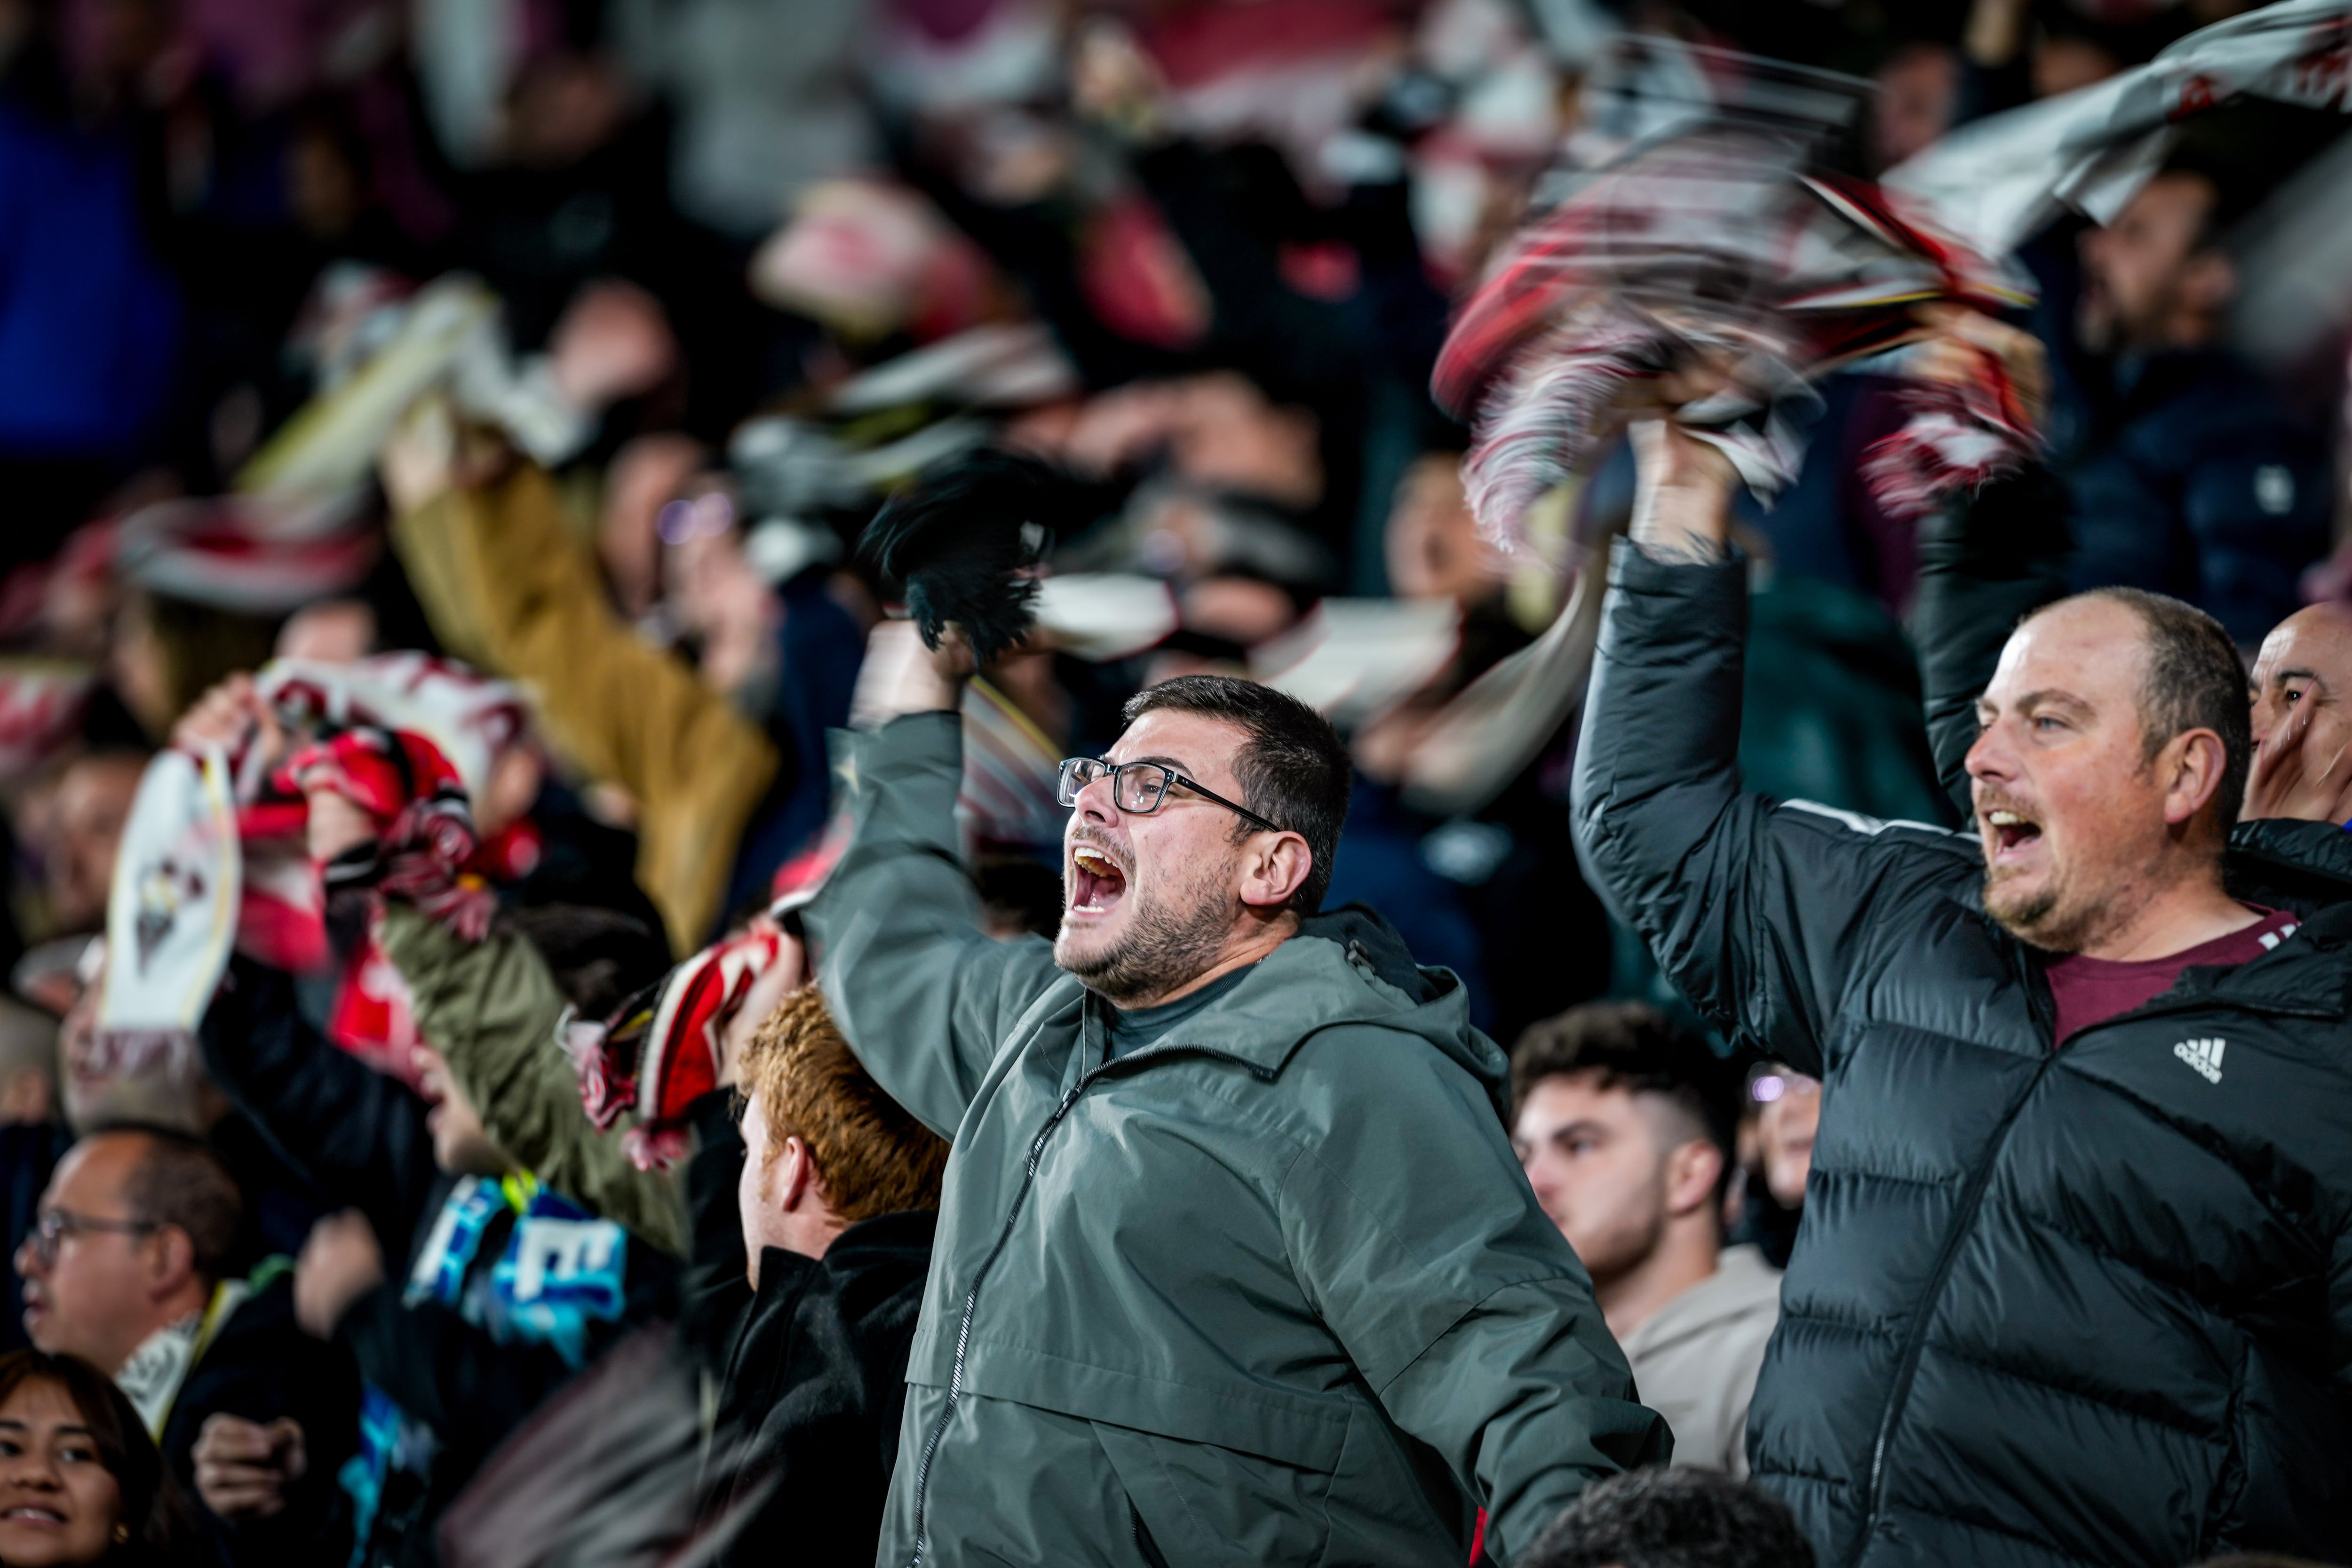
793 1178
1277 867
2193 763
170 1258
1693 1171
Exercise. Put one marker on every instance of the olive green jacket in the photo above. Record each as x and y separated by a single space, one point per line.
492 1009
1271 1290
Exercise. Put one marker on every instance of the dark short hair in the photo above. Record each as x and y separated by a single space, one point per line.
599 957
1293 770
180 1181
1636 1047
154 1510
2195 680
1678 1518
872 1156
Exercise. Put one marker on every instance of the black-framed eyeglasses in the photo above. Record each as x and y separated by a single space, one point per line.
55 1225
1141 788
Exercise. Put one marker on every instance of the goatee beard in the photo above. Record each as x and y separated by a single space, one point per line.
1163 947
2041 921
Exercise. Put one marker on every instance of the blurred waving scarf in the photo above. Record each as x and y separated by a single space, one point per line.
660 1052
1719 247
214 857
1998 180
171 913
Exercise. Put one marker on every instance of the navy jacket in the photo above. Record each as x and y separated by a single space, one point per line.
2196 482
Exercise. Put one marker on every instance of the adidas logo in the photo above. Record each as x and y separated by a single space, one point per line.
2205 1055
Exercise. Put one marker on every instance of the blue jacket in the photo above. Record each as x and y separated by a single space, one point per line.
90 321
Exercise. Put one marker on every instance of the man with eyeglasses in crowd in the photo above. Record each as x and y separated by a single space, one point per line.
127 1267
1234 1262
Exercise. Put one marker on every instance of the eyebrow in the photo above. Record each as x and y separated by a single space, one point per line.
1171 762
2279 675
2047 697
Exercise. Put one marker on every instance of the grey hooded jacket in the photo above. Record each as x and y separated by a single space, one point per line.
1271 1290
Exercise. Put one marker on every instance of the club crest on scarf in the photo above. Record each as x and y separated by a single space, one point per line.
171 909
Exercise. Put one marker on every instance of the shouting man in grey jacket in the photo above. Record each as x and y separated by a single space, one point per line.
1235 1263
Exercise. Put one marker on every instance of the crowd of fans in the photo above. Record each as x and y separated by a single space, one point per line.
508 916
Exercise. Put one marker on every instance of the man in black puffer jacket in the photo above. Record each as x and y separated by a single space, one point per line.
2076 1280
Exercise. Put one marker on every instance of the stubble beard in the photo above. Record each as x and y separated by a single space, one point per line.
2058 919
1168 942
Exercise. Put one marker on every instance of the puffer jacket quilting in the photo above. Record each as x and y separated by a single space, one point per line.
2049 1307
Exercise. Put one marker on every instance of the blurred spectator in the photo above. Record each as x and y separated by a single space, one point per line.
90 319
2188 477
1671 1519
1783 1115
92 802
492 1009
1625 1124
127 1268
455 1358
1918 97
80 1480
814 1229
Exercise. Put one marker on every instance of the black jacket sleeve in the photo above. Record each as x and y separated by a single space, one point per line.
359 1137
1985 564
261 1367
714 1293
1757 910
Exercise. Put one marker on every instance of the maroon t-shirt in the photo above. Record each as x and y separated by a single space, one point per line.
2093 990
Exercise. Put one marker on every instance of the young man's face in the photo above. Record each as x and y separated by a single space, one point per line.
2072 814
1148 900
1597 1156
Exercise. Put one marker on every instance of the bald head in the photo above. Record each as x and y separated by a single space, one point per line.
2302 693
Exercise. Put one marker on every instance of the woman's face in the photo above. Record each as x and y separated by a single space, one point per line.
58 1503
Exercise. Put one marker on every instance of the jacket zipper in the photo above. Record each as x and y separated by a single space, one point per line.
1906 1365
1915 1344
1012 1214
971 1303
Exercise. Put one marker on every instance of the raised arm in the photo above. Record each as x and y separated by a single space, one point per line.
1752 907
360 1135
1986 561
922 993
491 1009
506 586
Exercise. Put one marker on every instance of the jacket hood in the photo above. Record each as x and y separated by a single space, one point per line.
1347 966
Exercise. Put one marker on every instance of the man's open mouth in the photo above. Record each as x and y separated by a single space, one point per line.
2012 831
1096 881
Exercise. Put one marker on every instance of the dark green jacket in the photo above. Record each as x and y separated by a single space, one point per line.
1273 1290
